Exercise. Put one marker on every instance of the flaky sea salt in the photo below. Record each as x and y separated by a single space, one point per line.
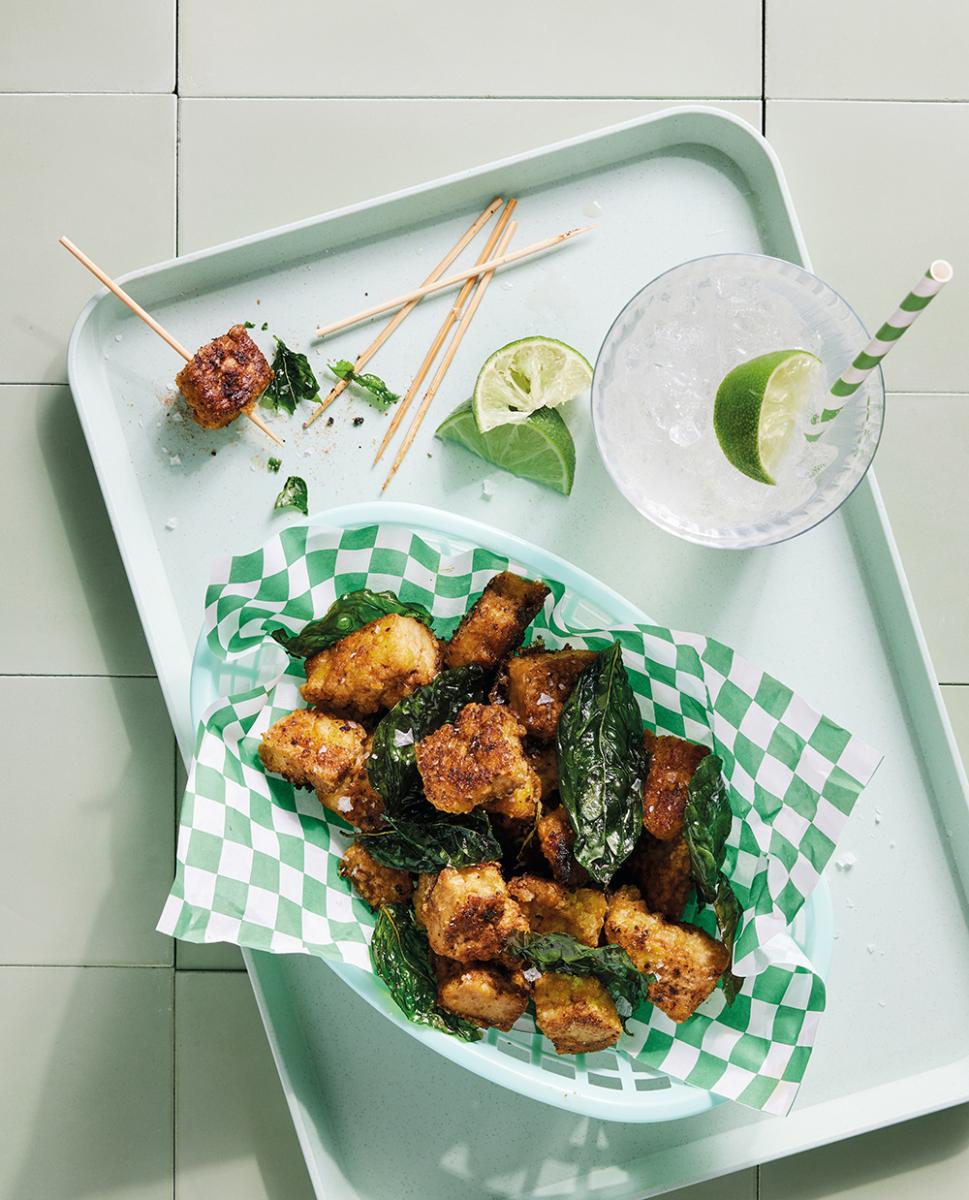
403 737
531 974
846 861
487 488
344 804
171 523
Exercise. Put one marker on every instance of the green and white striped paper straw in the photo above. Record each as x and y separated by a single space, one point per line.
918 299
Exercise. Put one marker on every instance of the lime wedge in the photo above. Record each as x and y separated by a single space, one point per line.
539 447
532 373
757 406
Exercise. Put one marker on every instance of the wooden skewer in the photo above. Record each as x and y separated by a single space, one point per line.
468 236
149 320
453 315
449 354
481 269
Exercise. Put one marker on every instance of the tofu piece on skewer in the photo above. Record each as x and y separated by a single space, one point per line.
468 913
686 961
552 908
373 668
481 992
329 755
375 883
224 379
556 837
494 626
540 683
672 764
479 760
575 1013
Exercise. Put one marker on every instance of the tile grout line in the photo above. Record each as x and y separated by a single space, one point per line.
763 67
175 751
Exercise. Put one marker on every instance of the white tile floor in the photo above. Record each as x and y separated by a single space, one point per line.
109 1057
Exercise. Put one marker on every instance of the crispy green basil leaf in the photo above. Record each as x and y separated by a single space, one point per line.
400 956
294 495
350 612
378 393
293 379
726 906
706 825
392 765
438 840
611 965
602 765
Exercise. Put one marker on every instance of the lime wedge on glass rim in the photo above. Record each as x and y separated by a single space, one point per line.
539 447
524 376
757 407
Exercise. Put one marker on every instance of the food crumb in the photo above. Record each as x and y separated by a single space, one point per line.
870 947
357 421
213 453
878 816
174 460
329 422
846 861
487 488
171 523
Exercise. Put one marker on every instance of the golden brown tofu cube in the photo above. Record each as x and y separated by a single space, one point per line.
539 685
494 626
575 1013
686 961
544 762
376 883
372 668
467 912
225 378
556 838
480 992
671 768
552 908
328 754
662 873
478 760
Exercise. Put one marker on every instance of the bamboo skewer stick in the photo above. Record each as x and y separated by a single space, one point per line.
453 315
362 359
471 273
462 329
149 320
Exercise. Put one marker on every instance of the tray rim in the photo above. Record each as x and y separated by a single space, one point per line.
876 551
427 521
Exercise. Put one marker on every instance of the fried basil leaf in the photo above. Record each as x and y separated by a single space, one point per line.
392 765
432 840
350 612
294 495
273 465
401 957
706 825
293 379
563 954
378 393
602 765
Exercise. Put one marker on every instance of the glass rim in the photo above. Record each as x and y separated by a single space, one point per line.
740 542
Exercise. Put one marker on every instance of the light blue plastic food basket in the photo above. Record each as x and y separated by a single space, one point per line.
608 1085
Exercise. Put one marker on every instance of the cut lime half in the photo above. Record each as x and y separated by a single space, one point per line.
539 448
524 376
757 406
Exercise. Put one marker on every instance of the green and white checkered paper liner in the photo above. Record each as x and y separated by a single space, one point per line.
257 861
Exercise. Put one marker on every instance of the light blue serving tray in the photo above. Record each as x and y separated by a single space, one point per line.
830 613
601 1085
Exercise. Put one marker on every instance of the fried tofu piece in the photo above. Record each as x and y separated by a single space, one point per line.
224 378
662 872
575 1013
494 626
671 766
329 755
556 838
552 908
539 685
480 992
544 762
376 883
479 760
373 668
467 912
686 961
